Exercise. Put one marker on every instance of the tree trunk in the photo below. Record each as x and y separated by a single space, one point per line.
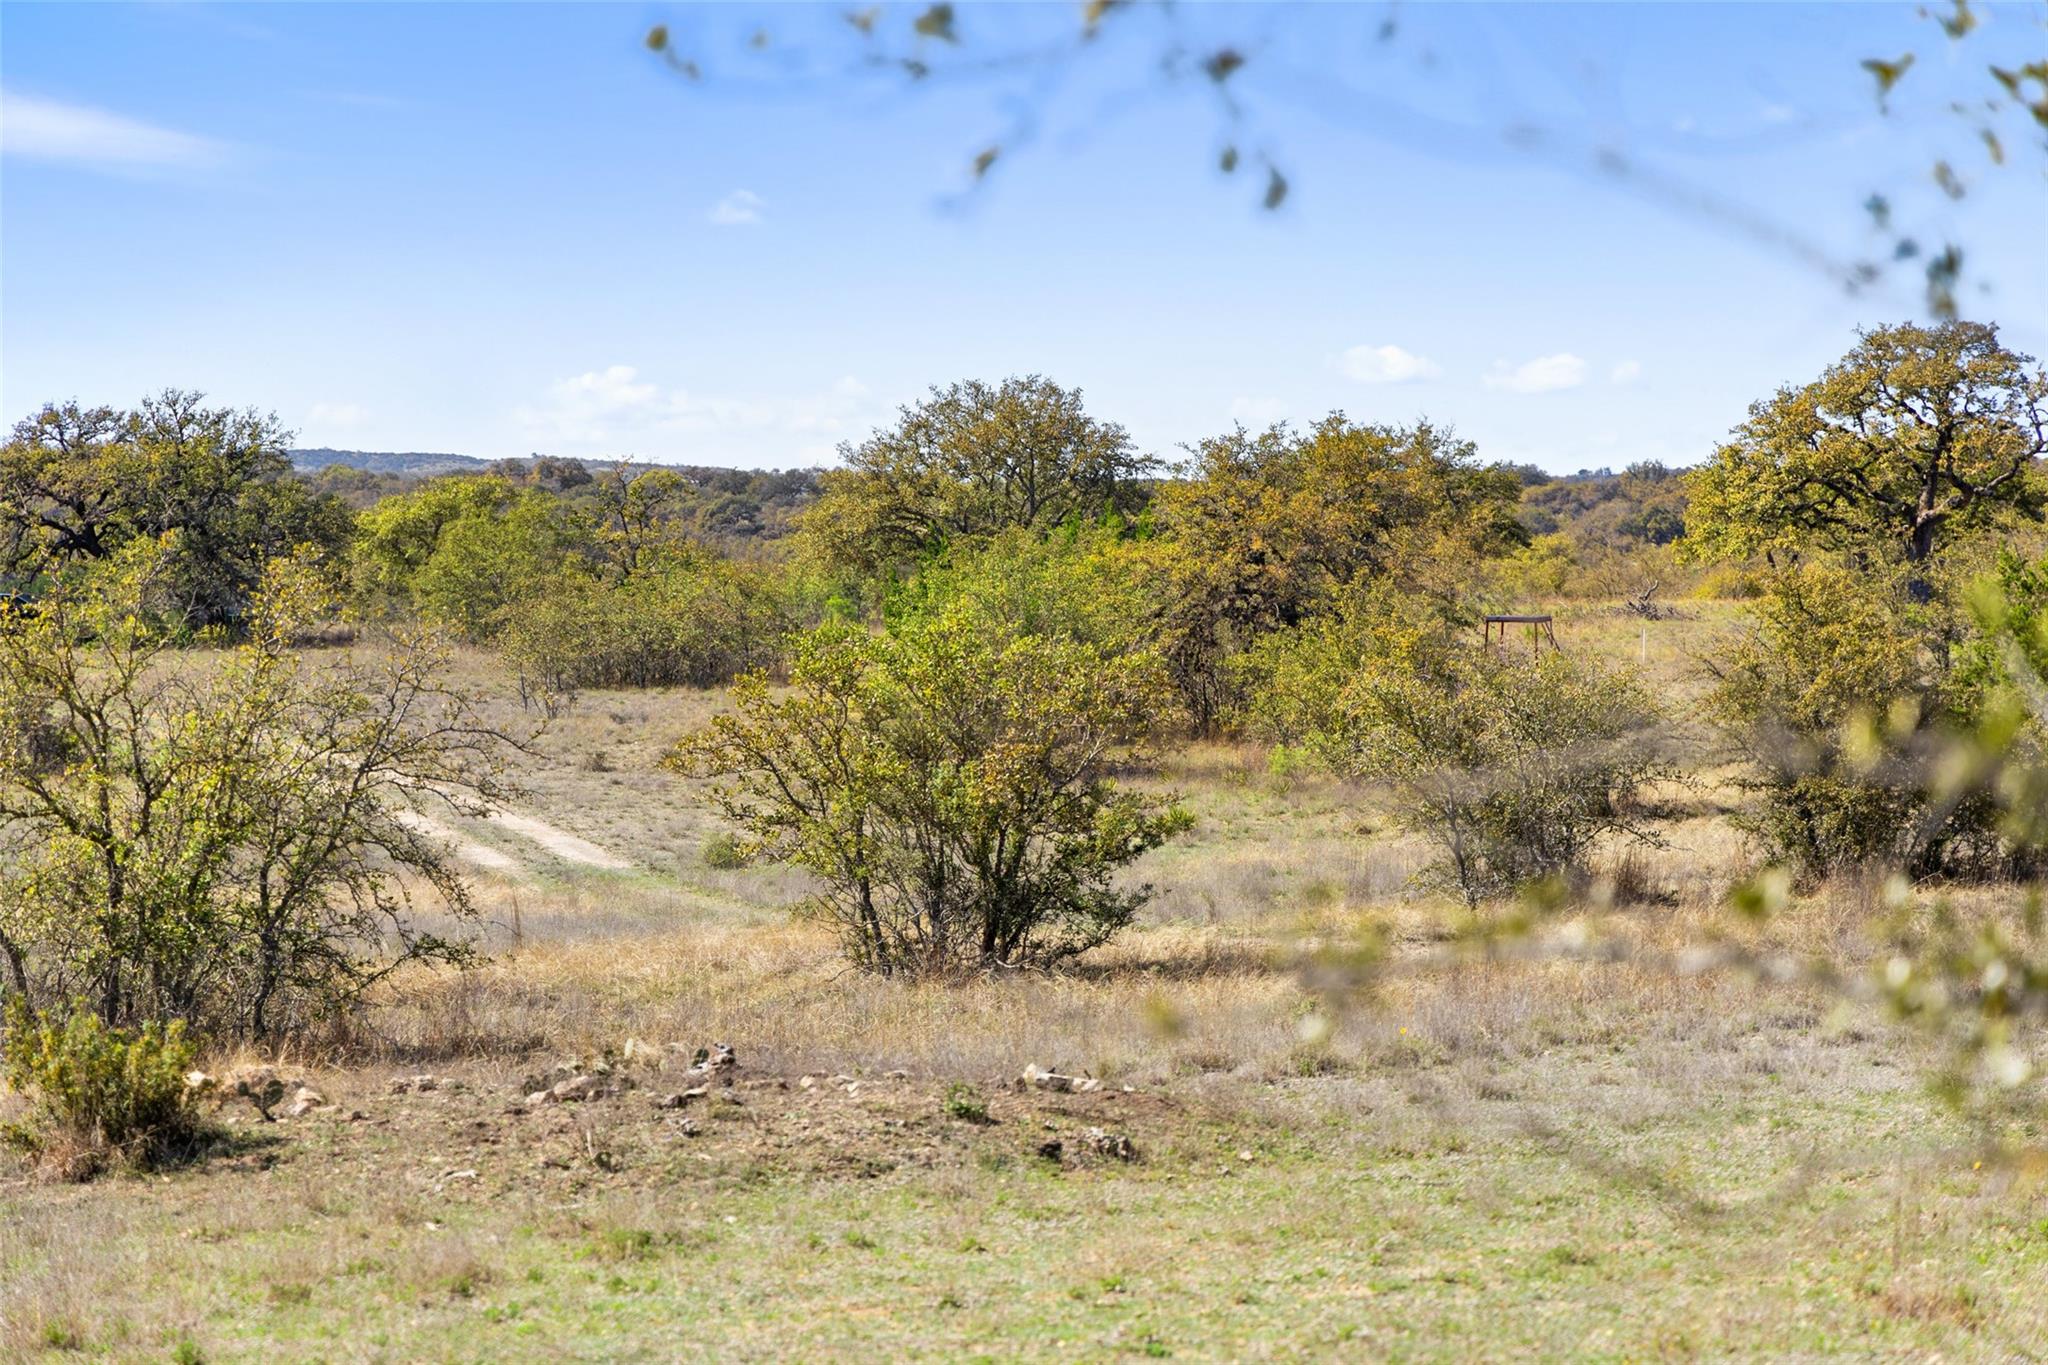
1919 549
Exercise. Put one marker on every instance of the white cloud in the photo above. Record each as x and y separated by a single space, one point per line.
1541 375
617 411
1385 365
738 209
337 415
49 130
1627 372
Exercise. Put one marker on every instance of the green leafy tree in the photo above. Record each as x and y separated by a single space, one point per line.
639 515
2010 648
226 841
1270 527
77 484
971 460
1916 436
459 551
948 785
396 537
1091 585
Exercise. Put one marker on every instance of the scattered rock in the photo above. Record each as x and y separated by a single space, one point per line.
717 1060
545 1080
304 1101
806 1082
898 1074
1102 1142
199 1083
588 1086
421 1084
688 1127
1036 1077
682 1097
263 1087
840 1080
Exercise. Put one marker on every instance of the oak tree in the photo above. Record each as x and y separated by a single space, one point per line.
1917 435
971 460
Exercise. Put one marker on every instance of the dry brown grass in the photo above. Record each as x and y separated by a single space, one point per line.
1586 1116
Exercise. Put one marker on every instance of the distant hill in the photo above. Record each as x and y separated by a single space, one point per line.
418 464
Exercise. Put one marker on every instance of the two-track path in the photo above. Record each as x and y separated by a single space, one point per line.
559 842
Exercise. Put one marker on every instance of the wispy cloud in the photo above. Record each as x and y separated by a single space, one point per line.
618 411
1627 372
1544 374
50 130
1386 365
737 209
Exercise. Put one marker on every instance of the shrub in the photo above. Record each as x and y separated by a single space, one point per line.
948 784
1294 682
722 851
100 1093
1842 699
965 1103
693 621
228 844
1513 768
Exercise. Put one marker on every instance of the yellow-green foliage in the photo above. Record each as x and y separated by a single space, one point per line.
78 484
459 551
972 460
1270 526
948 784
694 620
225 844
1294 682
99 1092
1093 585
1512 768
1917 435
1842 698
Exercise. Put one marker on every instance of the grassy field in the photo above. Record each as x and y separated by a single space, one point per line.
1559 1158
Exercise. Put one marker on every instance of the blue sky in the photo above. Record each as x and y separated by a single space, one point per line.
498 230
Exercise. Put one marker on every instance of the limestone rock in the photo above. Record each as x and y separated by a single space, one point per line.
304 1101
1102 1142
1036 1077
